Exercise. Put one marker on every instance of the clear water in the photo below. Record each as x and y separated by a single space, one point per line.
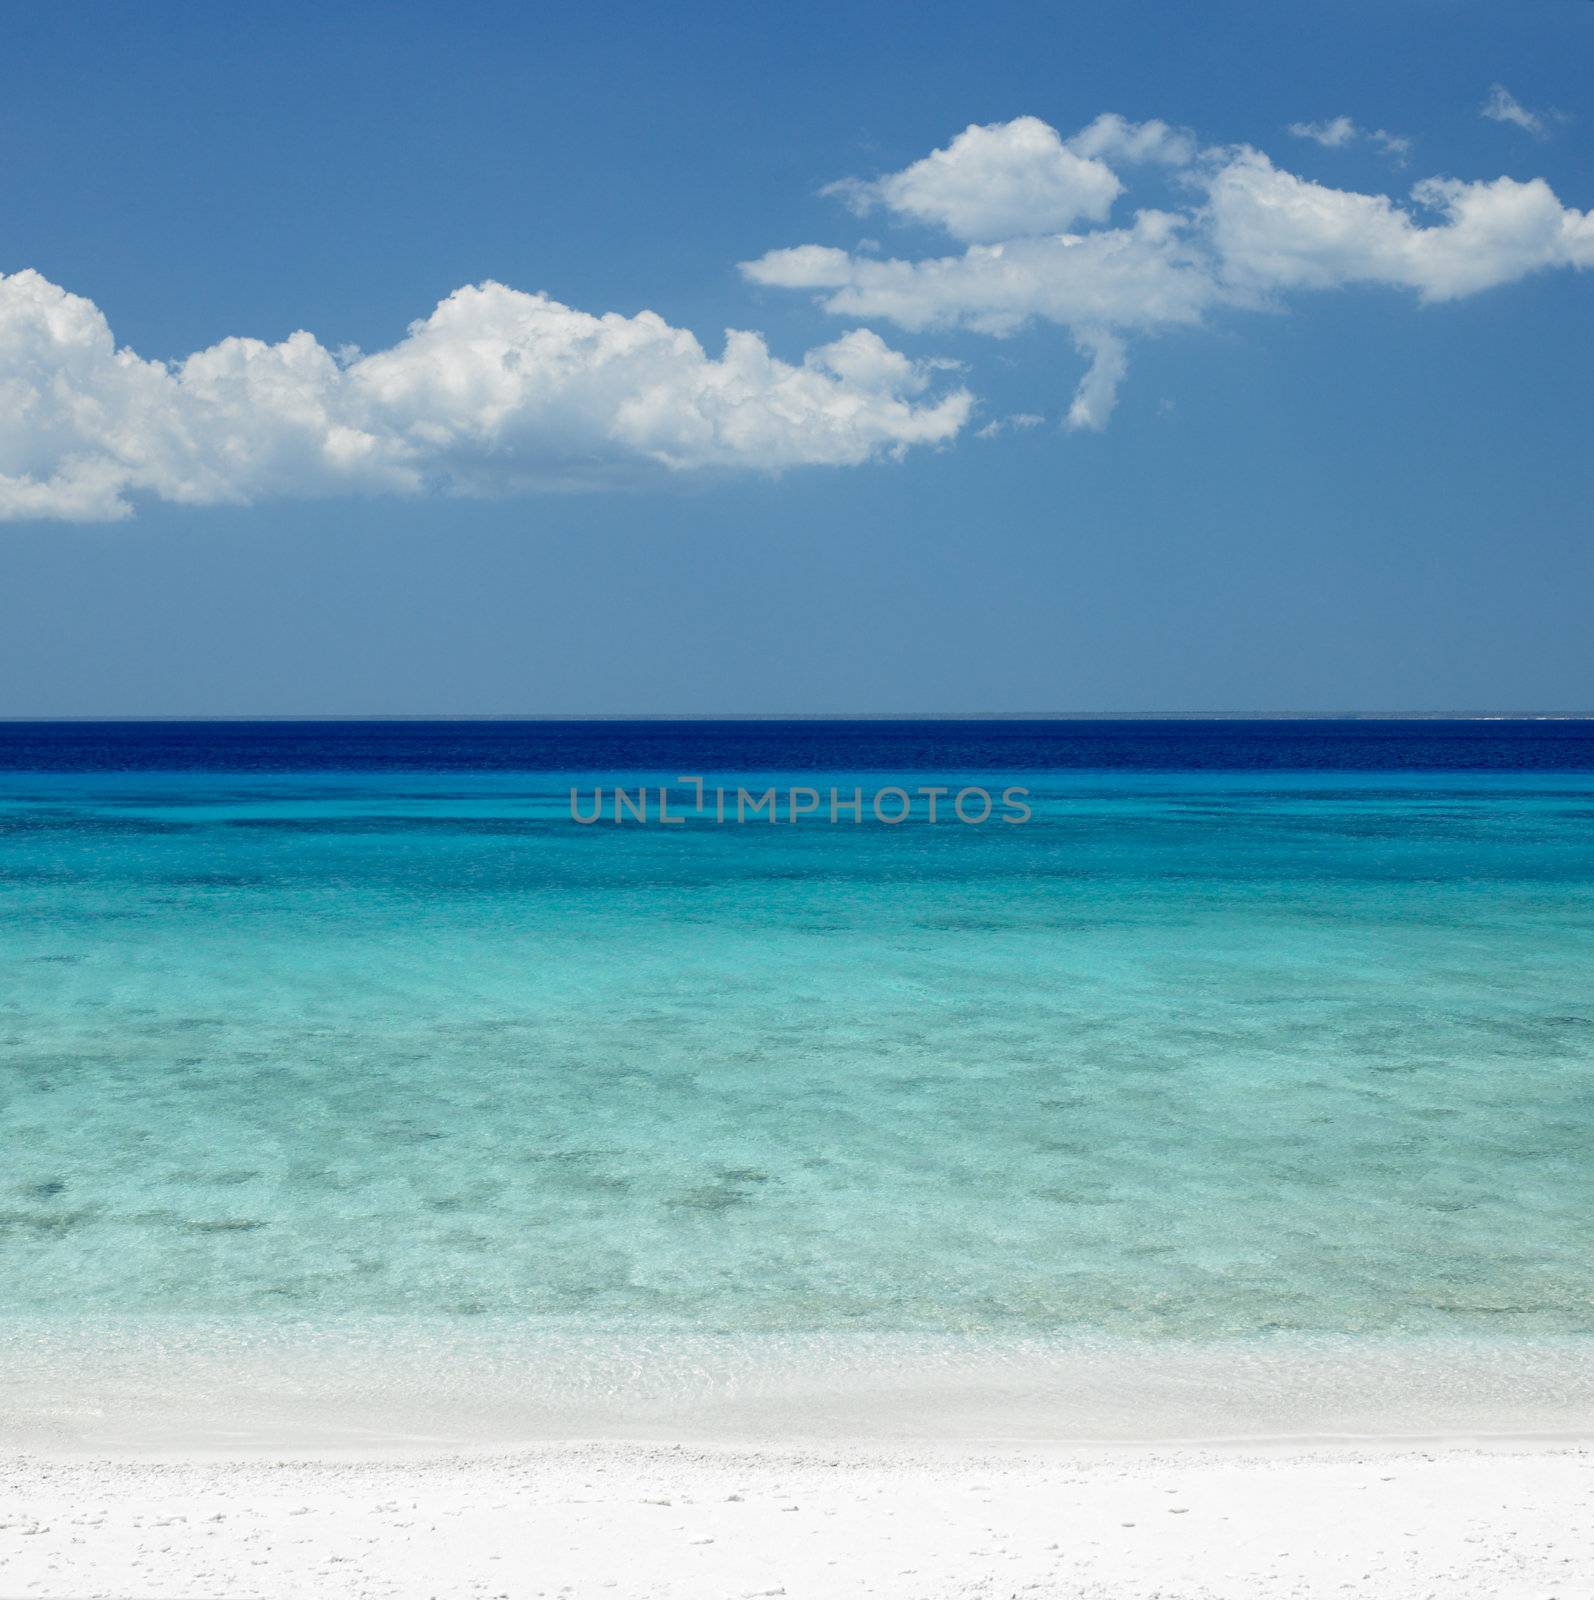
1197 1055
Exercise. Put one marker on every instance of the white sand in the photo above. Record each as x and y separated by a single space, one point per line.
169 1464
916 1522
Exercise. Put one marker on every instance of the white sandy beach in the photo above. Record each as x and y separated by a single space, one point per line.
150 1467
916 1522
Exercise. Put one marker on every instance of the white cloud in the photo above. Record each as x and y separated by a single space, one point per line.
496 391
1248 235
1331 135
1145 274
1503 106
1097 393
1018 179
1112 138
1018 422
996 182
1338 132
1272 231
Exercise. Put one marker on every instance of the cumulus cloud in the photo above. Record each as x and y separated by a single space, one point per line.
1503 106
1117 140
1005 180
1338 132
1242 234
1144 274
496 391
1271 230
993 183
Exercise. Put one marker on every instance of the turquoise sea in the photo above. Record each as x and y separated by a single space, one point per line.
1239 1057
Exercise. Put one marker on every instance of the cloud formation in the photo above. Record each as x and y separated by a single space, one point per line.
1503 106
990 183
1017 422
1338 132
497 391
1242 233
1017 178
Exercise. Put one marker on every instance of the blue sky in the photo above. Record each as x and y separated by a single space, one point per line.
1349 470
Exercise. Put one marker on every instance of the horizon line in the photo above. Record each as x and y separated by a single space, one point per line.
805 716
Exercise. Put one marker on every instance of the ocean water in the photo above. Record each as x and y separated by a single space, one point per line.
1251 1034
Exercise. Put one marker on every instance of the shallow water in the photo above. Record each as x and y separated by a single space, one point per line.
1193 1055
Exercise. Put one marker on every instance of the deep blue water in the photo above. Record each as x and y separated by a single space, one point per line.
876 745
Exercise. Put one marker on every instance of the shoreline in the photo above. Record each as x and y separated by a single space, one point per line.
147 1389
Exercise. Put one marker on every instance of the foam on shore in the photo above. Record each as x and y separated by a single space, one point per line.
160 1386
